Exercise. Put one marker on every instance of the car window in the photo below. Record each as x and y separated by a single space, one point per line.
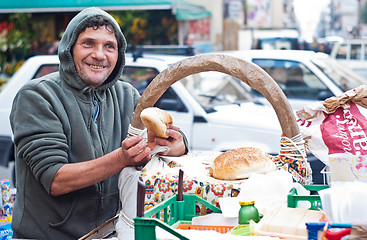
46 69
214 88
355 51
294 78
140 77
342 76
342 51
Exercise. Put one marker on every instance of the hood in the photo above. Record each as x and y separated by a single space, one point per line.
67 67
248 115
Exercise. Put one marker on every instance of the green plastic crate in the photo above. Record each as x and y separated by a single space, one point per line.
168 213
314 200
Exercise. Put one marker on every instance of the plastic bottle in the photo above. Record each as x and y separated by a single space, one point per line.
248 212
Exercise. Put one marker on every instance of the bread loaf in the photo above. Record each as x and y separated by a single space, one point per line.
240 163
156 120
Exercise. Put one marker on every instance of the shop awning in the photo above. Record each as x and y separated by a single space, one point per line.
183 10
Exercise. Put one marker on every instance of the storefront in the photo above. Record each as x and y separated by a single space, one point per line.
182 10
43 24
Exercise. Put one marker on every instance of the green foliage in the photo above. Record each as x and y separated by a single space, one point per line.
3 81
19 36
147 27
15 34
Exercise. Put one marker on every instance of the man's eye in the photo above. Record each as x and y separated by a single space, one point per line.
110 46
88 44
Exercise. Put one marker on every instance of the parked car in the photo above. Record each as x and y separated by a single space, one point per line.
212 109
304 76
351 53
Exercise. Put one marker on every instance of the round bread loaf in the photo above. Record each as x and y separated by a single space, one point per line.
156 120
241 163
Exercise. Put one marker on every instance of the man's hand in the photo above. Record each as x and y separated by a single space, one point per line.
174 142
134 151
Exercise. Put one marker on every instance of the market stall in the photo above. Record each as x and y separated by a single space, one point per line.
162 184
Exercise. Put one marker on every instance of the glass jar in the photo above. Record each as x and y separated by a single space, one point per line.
248 212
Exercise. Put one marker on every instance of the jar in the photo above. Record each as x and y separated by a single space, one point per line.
248 212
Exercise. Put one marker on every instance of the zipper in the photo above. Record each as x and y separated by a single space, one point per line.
96 114
96 109
96 117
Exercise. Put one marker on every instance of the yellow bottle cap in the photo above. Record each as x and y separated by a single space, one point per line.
250 202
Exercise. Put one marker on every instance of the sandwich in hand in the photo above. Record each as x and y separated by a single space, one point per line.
156 121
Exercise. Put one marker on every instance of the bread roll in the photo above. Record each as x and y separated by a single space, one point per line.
156 120
241 163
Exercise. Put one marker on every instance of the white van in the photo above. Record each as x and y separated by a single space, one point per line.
351 53
304 76
212 109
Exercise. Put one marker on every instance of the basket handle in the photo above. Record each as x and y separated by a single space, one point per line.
246 71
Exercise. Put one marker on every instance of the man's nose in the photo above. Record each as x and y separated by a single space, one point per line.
99 52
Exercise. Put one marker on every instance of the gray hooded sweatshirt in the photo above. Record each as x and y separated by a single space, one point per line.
52 121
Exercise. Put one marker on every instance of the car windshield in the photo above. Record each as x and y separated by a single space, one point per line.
278 43
213 88
344 77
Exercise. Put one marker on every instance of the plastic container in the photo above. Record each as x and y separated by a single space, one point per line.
169 214
241 230
186 225
314 200
248 212
315 228
287 223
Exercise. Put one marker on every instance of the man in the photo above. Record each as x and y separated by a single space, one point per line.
70 131
189 40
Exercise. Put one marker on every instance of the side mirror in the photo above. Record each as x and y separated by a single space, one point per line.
171 105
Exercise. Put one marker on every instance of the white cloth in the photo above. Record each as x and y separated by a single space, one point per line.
345 202
128 187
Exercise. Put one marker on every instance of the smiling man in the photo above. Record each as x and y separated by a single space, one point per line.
95 55
70 131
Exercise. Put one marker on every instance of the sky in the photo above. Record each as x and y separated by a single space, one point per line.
308 13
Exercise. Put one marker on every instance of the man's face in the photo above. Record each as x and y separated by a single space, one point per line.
95 55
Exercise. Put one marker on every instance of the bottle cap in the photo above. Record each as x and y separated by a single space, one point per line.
248 202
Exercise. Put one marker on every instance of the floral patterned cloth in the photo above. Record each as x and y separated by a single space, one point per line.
161 185
161 180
